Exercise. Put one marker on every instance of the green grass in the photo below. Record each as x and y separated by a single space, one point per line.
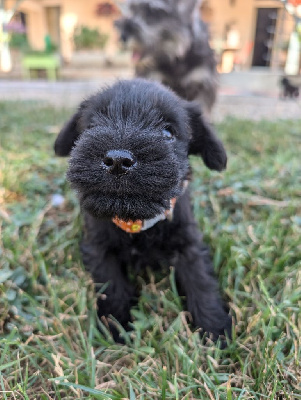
50 347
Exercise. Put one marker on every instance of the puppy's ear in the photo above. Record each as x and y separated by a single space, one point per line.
204 141
68 136
186 8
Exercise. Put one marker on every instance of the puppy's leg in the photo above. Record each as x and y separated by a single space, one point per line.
117 298
195 276
106 267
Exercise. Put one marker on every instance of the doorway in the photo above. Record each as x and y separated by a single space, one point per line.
53 24
264 36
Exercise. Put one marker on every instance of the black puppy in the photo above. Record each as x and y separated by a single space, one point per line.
288 90
129 164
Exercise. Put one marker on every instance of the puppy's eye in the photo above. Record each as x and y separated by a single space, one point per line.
168 133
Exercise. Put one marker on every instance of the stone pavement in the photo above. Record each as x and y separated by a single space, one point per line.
231 101
255 107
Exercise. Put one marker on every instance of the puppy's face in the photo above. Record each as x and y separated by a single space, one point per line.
130 149
157 27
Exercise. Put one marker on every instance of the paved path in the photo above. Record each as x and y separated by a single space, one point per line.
230 101
256 107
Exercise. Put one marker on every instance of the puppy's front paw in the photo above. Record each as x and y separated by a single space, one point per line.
216 325
206 306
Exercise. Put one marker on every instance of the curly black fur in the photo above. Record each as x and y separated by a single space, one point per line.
152 131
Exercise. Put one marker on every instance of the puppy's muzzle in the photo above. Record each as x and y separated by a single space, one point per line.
118 162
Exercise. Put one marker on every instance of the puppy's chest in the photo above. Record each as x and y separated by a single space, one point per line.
145 250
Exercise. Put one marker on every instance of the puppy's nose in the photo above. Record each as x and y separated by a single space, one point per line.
118 162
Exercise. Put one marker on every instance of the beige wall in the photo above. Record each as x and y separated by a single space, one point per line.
73 13
35 20
82 12
221 12
243 13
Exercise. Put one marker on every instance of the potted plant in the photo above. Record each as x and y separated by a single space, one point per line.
89 44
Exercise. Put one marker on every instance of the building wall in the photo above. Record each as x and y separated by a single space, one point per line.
35 19
79 12
240 14
72 13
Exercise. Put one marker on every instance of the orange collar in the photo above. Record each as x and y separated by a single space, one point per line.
139 225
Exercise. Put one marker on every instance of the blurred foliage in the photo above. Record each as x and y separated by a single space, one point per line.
19 41
88 38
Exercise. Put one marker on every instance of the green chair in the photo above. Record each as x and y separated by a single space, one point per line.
34 62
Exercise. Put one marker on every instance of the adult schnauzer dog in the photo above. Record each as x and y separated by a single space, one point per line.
170 45
288 90
129 147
